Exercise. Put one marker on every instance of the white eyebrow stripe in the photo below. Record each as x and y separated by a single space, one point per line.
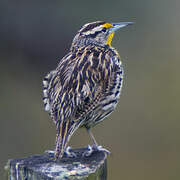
92 31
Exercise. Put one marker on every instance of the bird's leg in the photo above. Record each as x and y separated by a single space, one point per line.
69 153
90 149
95 146
92 137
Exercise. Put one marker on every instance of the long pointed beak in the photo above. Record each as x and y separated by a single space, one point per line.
117 26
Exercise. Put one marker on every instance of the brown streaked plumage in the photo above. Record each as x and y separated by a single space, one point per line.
86 85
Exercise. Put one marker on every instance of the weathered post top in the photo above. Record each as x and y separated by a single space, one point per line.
43 167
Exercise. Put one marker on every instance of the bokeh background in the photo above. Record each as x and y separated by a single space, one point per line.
143 134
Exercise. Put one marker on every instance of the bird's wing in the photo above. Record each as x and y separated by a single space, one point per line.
88 81
77 84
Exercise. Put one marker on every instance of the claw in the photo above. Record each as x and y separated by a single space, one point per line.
50 152
88 152
69 152
100 148
93 148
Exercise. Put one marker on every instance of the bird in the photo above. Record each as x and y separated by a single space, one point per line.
86 85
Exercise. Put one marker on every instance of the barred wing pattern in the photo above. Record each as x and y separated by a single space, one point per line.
83 89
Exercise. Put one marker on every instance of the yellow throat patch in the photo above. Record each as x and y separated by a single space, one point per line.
109 40
110 37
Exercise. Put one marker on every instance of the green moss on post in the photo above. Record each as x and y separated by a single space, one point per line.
43 167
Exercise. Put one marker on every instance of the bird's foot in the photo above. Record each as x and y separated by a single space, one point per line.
93 148
100 148
88 152
69 153
50 152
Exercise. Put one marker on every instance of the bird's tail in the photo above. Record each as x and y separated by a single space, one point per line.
65 130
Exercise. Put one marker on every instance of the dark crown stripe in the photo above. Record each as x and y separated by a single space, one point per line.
91 26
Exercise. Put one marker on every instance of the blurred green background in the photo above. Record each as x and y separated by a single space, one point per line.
143 133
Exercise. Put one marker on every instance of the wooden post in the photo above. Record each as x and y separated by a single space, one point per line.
43 167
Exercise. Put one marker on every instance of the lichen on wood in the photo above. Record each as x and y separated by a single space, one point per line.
44 167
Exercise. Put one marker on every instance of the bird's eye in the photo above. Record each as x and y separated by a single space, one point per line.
104 29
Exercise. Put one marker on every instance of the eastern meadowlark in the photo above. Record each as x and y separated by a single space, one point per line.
85 86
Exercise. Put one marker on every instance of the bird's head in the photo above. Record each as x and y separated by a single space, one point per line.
98 33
